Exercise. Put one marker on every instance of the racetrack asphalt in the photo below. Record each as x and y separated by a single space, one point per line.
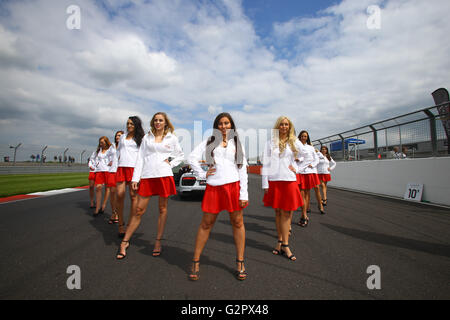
410 243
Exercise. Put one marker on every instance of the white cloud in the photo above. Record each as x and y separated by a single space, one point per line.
214 110
128 60
328 73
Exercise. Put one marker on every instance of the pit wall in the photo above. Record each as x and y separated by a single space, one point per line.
390 177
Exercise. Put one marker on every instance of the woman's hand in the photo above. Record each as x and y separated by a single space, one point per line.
266 190
110 164
210 172
134 186
292 169
167 160
243 203
310 166
329 169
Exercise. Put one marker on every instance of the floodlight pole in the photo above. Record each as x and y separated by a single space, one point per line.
81 157
42 154
64 155
15 151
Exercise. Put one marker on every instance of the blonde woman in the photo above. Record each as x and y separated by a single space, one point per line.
153 176
279 180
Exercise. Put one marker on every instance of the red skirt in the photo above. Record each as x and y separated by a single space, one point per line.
309 181
101 177
219 198
283 195
325 177
163 187
111 182
91 176
124 174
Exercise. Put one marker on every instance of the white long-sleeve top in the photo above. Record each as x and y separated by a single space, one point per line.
112 153
151 157
324 164
310 157
227 170
92 163
128 150
276 165
102 160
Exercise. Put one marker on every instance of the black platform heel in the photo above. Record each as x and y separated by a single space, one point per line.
241 274
194 276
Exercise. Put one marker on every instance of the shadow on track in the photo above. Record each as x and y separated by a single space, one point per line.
411 244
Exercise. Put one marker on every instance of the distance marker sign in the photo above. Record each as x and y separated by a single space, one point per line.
413 192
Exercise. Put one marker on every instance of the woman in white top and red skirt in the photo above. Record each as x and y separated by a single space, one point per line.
127 149
91 179
308 178
279 180
112 178
226 188
326 164
102 164
153 176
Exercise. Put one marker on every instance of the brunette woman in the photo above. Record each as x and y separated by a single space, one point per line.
226 188
326 164
308 175
279 180
153 176
112 178
128 150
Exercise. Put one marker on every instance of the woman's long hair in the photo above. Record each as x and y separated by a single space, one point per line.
168 126
108 143
328 153
239 155
290 138
307 141
138 130
115 137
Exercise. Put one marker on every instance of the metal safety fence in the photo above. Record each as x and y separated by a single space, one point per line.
29 155
419 134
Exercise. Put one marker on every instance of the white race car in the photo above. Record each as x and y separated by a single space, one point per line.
190 183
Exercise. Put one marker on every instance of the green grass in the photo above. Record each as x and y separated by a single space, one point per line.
11 185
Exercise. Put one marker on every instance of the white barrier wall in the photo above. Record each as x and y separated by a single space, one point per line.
390 177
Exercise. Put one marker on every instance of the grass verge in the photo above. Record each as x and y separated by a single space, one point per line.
11 185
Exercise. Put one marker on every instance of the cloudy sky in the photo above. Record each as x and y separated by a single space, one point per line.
316 62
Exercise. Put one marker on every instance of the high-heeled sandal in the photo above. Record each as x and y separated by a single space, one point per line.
120 255
101 211
303 222
283 252
276 251
324 202
194 276
321 211
121 234
111 220
241 274
157 253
